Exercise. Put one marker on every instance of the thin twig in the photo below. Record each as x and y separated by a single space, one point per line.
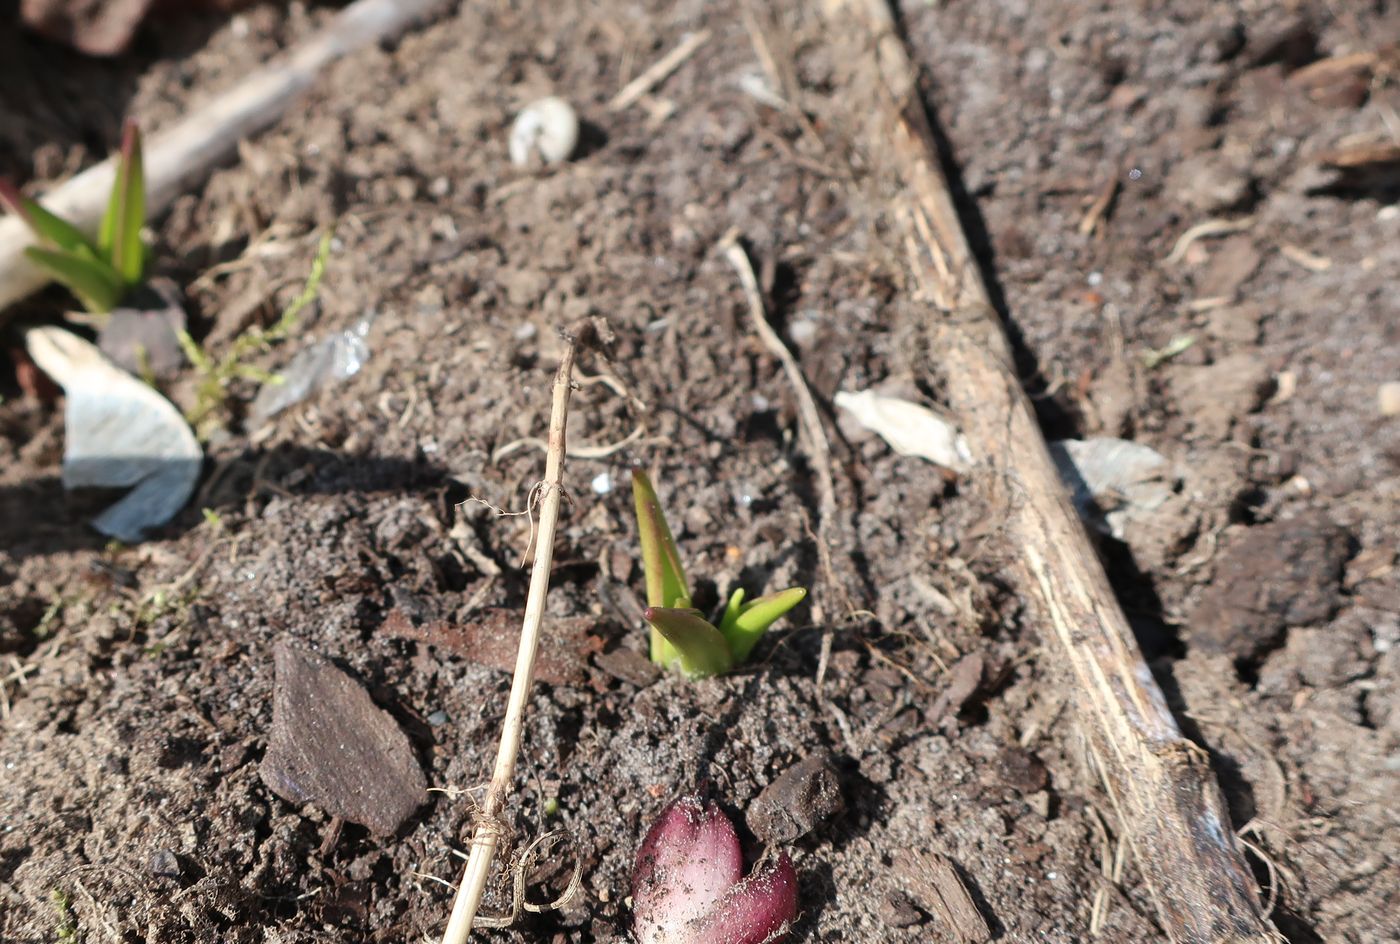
659 70
809 421
581 451
1098 210
1212 227
784 79
488 829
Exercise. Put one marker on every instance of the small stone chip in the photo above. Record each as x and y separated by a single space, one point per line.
798 801
332 746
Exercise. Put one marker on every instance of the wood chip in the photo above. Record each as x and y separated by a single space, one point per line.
934 884
1360 155
964 682
332 746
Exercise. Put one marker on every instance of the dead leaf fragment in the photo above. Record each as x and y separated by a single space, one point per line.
493 639
910 429
1129 491
118 433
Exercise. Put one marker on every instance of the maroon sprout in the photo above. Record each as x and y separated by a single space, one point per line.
688 886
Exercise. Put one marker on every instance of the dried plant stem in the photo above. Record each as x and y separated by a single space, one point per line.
488 830
815 443
633 91
1159 782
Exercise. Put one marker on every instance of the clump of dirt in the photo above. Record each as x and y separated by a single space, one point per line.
138 682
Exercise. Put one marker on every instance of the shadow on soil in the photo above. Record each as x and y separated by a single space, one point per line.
40 517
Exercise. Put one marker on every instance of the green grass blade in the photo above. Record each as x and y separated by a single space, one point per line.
754 619
661 559
119 238
94 283
700 649
51 229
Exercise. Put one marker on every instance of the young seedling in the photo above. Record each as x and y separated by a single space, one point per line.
217 374
688 886
100 274
681 638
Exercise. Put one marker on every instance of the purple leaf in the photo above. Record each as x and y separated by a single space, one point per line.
688 885
689 858
758 910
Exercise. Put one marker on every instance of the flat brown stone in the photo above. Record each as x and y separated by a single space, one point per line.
331 745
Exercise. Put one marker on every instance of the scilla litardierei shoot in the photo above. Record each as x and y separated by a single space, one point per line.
99 273
681 638
689 887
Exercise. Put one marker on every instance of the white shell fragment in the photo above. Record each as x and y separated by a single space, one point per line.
544 130
326 362
1115 483
910 429
118 433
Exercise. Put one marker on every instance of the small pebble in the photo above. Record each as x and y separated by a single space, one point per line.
1389 398
438 718
602 483
546 130
164 864
802 332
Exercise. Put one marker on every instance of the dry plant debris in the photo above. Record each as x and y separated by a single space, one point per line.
492 635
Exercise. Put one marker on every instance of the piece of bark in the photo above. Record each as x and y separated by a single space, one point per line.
964 682
1159 782
933 882
332 746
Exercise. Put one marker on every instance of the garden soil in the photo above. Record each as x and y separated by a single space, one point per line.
381 522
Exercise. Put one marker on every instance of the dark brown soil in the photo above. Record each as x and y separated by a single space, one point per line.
138 681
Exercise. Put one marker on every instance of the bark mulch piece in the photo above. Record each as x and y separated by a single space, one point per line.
331 745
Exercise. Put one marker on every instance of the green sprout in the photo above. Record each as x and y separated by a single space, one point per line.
64 929
217 375
100 274
681 638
